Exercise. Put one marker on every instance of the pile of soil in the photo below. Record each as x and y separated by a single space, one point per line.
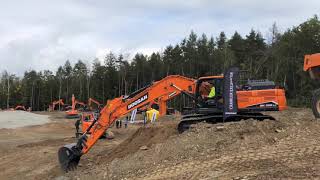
166 154
144 136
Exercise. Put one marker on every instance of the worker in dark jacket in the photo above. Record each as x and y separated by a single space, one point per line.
77 125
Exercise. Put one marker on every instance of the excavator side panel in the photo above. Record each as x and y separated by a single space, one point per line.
311 61
262 100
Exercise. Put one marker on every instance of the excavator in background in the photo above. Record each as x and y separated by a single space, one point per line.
312 65
90 101
232 102
20 107
54 103
86 119
73 112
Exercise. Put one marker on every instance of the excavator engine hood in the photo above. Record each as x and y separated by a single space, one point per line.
312 64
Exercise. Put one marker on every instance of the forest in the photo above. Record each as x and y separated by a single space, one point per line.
277 57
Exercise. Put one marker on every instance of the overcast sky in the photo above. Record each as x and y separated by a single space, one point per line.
42 34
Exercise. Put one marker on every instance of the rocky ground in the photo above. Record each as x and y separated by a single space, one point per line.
288 147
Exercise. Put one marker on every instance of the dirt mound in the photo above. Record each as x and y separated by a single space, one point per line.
144 136
203 142
288 147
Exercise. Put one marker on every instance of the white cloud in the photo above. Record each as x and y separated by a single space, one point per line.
43 34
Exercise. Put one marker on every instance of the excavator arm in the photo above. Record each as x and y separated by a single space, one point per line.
20 107
159 91
75 102
54 103
80 103
90 101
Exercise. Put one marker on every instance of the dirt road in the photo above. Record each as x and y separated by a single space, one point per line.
288 147
31 152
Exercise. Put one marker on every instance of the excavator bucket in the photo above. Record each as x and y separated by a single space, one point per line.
69 157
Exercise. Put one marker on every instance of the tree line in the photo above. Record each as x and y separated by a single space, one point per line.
277 57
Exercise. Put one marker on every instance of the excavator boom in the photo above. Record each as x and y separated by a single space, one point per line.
164 89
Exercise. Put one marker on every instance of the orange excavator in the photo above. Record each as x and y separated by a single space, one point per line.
85 120
312 65
90 101
231 102
88 117
54 103
74 113
20 107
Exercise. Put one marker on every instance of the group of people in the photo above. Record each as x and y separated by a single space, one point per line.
119 123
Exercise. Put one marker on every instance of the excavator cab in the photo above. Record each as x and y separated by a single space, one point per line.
203 89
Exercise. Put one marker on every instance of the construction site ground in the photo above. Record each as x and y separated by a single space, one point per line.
288 147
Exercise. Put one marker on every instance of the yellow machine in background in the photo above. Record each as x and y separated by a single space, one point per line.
150 113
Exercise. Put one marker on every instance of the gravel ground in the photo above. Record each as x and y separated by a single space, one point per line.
14 119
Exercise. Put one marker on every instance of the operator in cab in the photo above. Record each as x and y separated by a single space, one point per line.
207 90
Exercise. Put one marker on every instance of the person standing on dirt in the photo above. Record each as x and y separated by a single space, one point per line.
126 122
77 125
144 115
117 124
